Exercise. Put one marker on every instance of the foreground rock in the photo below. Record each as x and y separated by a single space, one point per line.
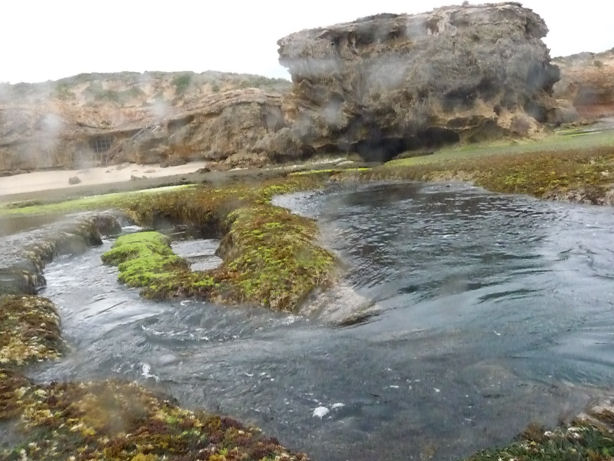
589 437
388 83
121 421
23 256
587 83
30 327
171 118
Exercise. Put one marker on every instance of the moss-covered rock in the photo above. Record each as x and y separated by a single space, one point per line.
584 175
146 260
113 420
29 330
271 256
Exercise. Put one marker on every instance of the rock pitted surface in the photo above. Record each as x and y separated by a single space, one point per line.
587 83
387 83
94 119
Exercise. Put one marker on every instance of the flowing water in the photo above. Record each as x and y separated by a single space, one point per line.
492 311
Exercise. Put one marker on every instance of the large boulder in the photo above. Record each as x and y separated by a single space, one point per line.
388 83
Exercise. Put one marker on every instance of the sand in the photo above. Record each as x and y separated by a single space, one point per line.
58 179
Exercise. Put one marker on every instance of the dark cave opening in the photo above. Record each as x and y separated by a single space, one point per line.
382 148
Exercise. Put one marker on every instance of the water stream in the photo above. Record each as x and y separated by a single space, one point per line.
492 311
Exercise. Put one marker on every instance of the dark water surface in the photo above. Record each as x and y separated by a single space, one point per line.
494 311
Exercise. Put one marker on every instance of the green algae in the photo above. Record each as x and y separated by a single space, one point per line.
579 442
29 330
585 175
94 202
270 255
271 258
146 260
330 171
113 420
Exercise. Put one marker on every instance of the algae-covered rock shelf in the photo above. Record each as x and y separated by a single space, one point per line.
112 420
270 258
30 327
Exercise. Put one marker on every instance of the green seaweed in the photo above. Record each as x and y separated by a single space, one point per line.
112 420
146 260
583 175
271 257
579 442
29 330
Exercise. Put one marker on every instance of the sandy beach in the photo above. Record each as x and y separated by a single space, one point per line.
59 179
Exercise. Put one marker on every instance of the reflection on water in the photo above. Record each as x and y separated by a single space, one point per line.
493 311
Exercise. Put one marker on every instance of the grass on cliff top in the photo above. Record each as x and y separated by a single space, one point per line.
580 442
29 330
112 420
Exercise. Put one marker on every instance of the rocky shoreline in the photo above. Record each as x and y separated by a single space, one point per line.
396 90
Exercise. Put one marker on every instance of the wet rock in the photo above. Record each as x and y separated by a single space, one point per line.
30 330
117 420
389 83
23 256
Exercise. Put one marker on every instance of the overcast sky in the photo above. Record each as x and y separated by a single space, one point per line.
49 39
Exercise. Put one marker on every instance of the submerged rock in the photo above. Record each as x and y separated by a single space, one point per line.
389 83
23 256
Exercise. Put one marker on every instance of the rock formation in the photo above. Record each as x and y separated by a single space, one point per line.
388 83
378 86
94 119
587 83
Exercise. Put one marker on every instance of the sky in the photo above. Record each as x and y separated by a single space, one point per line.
46 40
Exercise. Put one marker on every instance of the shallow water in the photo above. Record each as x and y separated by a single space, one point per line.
493 311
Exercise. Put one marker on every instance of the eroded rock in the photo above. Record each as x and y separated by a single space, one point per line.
99 119
389 83
587 83
23 256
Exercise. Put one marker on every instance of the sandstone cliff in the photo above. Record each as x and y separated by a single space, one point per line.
587 83
377 86
146 118
387 83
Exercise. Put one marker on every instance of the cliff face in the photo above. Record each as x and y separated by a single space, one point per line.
377 86
387 83
587 83
146 118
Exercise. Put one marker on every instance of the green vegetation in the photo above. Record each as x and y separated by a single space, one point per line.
331 171
580 442
271 258
182 82
29 330
146 260
581 175
121 421
94 202
270 255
